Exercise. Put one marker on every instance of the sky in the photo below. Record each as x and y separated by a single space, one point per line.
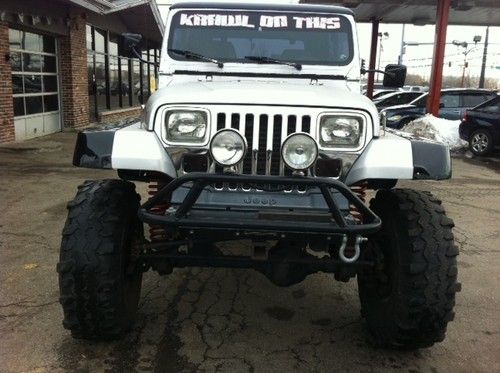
418 58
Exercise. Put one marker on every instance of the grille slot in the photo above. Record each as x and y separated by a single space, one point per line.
264 132
221 120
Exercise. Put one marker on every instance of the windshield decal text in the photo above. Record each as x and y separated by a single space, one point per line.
261 21
323 23
223 20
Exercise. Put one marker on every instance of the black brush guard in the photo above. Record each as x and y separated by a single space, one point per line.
182 218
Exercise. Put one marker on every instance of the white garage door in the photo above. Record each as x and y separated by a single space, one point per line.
35 84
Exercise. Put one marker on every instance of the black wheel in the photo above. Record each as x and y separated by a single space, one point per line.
481 142
408 298
98 281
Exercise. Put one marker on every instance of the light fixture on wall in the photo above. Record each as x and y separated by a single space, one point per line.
35 20
463 5
420 20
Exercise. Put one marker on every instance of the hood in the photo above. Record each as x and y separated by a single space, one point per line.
261 93
204 94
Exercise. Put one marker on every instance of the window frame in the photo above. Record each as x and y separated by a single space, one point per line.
22 74
124 100
450 94
482 95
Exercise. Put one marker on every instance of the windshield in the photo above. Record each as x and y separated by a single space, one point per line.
420 101
233 36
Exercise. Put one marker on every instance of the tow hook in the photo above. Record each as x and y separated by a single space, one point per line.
357 249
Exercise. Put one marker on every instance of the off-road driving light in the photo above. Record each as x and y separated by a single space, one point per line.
340 131
299 151
186 126
228 147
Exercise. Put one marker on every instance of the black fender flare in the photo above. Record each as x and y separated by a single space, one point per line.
431 161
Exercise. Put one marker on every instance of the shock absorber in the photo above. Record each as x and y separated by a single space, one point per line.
156 232
360 190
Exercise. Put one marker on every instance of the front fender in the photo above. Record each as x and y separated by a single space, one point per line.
394 157
129 147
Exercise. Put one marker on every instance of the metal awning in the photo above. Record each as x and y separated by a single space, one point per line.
421 12
141 16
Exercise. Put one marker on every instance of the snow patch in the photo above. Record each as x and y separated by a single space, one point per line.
440 130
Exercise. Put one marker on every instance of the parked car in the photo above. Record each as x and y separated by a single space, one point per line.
395 98
480 127
454 103
417 88
382 92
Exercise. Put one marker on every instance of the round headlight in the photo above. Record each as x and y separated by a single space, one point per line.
299 151
228 147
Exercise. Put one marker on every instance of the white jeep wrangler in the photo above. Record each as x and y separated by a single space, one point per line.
258 132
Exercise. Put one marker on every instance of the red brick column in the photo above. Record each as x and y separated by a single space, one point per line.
6 105
73 57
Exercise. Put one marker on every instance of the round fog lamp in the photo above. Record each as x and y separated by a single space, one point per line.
228 147
299 151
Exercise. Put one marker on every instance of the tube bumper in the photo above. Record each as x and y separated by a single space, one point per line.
330 217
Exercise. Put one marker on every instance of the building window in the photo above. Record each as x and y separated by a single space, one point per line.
125 82
34 73
116 81
136 82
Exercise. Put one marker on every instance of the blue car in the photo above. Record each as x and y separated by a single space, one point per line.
454 103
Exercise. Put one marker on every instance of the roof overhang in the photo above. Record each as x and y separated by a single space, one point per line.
142 16
420 12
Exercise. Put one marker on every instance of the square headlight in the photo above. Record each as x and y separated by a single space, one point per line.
340 131
188 126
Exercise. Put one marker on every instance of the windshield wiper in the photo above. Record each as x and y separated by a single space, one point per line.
264 59
196 56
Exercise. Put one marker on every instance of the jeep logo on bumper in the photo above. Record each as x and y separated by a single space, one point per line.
260 201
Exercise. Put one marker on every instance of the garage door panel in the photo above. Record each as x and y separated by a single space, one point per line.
20 129
51 123
34 127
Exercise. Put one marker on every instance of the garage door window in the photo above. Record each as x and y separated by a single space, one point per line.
34 73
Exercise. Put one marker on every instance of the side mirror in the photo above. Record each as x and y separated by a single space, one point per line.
129 44
395 76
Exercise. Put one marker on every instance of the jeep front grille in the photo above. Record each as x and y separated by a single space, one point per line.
265 132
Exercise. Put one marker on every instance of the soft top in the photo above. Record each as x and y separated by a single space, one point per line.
265 7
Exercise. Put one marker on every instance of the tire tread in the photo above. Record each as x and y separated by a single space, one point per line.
90 258
429 278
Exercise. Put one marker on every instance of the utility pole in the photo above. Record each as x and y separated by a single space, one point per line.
382 36
485 55
464 44
402 51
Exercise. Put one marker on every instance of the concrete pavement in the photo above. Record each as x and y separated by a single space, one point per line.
230 320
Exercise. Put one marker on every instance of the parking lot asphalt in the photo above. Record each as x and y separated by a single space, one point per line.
229 320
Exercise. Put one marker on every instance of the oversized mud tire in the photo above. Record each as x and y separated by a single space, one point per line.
408 298
99 286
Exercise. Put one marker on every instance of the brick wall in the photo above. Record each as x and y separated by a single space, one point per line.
6 105
116 115
73 57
